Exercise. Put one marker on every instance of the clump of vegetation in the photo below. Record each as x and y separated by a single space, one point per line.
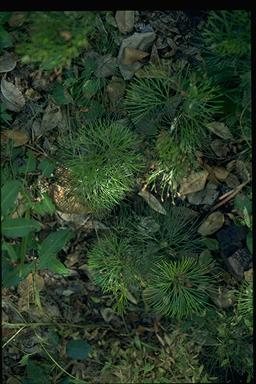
55 38
180 104
227 58
180 288
111 262
101 162
151 239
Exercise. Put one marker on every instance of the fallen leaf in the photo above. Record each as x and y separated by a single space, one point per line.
12 96
225 298
220 129
193 183
125 21
141 41
116 90
51 118
232 181
152 202
130 297
7 62
19 138
219 148
131 55
220 172
107 314
212 224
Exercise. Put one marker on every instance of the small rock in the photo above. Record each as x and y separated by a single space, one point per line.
212 224
238 262
206 196
231 238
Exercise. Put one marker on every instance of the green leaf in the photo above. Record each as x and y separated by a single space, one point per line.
211 244
11 276
30 164
78 349
10 250
46 167
6 40
19 227
56 266
242 201
59 95
249 241
9 193
44 207
51 246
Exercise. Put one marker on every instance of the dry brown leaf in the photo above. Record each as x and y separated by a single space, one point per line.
125 21
193 183
7 62
212 224
220 129
19 138
132 55
12 96
220 172
51 118
219 148
152 202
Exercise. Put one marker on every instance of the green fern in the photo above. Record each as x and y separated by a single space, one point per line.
180 288
102 163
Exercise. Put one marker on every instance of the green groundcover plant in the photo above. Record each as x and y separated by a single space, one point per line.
55 38
153 253
102 163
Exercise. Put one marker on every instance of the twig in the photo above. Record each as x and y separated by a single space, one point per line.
229 195
13 336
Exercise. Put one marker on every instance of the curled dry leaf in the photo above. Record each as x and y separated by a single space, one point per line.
193 183
131 55
7 62
19 138
212 224
125 21
220 129
220 172
152 202
17 19
12 96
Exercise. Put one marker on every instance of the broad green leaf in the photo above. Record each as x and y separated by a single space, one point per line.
19 227
9 248
242 201
44 207
30 164
211 244
54 265
249 241
46 167
78 349
52 245
6 40
9 193
59 95
11 276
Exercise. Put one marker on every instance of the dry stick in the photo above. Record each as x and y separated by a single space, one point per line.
229 195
